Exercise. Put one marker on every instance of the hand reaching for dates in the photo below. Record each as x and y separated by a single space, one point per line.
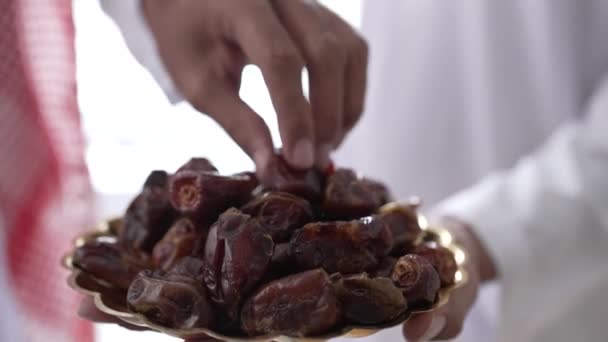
206 44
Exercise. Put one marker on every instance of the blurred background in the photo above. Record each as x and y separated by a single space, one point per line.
131 128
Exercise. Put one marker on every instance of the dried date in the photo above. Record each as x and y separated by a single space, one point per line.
348 196
345 247
179 242
417 278
281 177
280 213
198 164
187 269
442 260
237 255
281 261
104 260
157 178
204 195
368 300
175 302
303 304
385 268
403 223
148 217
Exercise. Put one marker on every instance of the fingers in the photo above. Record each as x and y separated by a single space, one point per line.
247 128
458 308
267 44
356 83
325 56
416 327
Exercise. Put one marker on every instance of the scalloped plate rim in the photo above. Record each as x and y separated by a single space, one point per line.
103 229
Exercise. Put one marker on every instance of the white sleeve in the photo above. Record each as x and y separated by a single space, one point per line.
545 222
129 17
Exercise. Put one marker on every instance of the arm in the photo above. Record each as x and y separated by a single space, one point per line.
129 17
542 226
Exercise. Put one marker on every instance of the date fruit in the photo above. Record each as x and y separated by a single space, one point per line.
345 247
176 302
368 300
179 242
281 259
106 262
417 278
385 268
198 164
303 304
237 256
282 177
403 223
188 269
280 213
203 195
442 260
347 196
156 178
148 217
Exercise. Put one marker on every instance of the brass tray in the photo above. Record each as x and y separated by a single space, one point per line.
112 301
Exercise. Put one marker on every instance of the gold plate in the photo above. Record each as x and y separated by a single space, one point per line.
112 301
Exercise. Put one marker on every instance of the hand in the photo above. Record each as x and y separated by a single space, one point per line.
447 321
206 44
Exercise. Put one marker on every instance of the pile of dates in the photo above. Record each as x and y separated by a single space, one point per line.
302 254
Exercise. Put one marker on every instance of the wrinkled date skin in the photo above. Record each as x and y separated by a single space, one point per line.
417 278
280 213
203 195
176 302
157 178
385 268
148 217
237 256
442 260
403 223
303 304
179 242
368 300
281 262
188 269
198 164
345 247
379 189
105 261
348 196
281 177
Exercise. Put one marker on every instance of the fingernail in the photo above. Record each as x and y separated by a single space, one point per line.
302 154
323 153
437 325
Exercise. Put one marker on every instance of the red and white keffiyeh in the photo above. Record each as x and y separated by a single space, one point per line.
44 188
